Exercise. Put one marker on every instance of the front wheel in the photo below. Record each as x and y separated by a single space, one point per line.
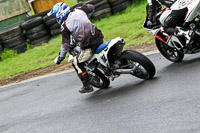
169 53
141 66
98 79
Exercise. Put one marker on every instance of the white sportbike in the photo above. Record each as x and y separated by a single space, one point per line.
109 62
174 47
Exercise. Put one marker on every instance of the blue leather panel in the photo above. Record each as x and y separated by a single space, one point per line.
102 47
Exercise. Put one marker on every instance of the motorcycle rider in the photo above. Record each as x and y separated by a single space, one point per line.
77 24
176 14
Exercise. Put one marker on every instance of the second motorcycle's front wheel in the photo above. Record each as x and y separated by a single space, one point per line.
139 64
169 53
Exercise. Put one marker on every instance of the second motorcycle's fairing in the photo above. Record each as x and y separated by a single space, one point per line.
176 46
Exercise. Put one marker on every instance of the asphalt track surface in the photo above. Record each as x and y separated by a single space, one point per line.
169 103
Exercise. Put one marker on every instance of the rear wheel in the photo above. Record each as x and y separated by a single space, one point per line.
169 53
98 79
141 66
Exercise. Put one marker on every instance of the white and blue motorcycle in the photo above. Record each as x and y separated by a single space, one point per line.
109 62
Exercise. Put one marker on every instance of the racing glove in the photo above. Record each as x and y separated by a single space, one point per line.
58 59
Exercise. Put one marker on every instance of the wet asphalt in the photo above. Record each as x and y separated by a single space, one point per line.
168 103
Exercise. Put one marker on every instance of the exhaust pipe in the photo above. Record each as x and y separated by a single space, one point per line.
124 71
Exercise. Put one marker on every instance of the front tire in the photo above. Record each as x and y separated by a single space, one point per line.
169 53
98 79
141 66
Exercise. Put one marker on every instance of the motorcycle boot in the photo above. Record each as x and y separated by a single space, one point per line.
186 33
87 87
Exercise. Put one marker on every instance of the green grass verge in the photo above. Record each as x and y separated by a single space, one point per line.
127 25
71 2
33 58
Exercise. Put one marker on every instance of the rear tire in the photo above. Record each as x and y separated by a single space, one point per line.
141 66
169 53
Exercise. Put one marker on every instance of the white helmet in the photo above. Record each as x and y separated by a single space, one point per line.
60 11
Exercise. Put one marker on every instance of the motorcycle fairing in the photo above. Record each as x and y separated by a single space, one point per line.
164 15
162 37
102 57
193 10
174 42
152 30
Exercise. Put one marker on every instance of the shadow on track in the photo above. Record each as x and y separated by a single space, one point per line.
183 65
121 91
